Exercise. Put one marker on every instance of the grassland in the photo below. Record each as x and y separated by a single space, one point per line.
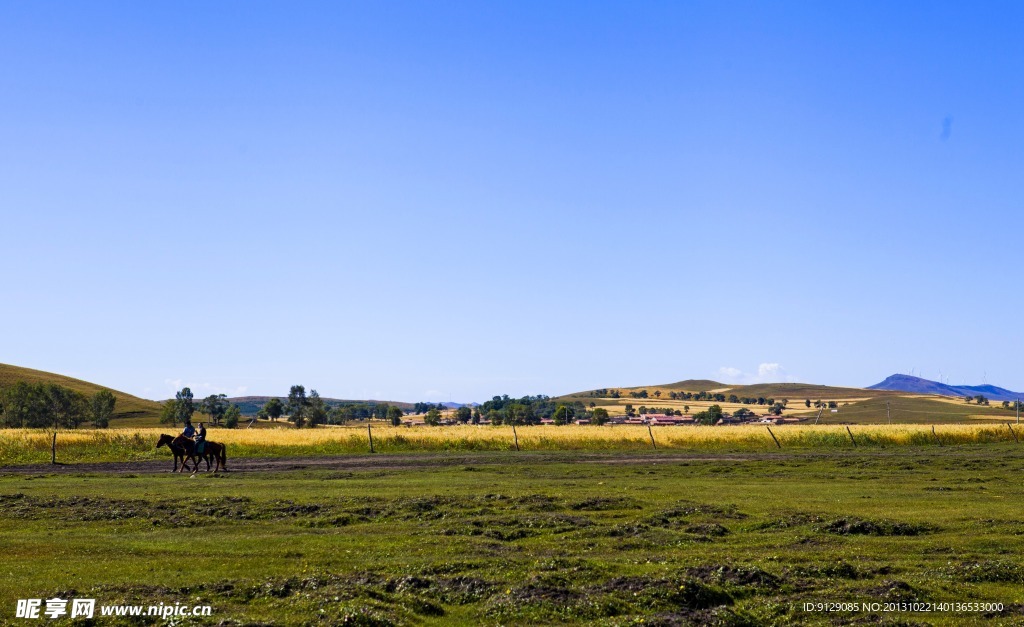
537 538
862 410
18 446
916 410
129 410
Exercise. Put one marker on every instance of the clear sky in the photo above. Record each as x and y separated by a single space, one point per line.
452 200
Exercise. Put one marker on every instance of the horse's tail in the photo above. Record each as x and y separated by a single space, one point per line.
224 456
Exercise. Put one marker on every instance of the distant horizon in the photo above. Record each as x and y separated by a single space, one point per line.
203 391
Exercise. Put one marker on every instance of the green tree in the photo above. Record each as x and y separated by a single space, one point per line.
709 417
184 406
169 412
463 414
519 414
214 406
67 408
316 413
297 404
394 414
232 415
342 414
102 408
24 405
562 415
274 408
433 417
476 416
599 416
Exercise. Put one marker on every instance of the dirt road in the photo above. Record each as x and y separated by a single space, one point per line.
402 461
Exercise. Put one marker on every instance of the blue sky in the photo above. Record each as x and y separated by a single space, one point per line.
434 201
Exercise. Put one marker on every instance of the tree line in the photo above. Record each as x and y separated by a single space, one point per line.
531 410
48 405
310 410
302 409
182 407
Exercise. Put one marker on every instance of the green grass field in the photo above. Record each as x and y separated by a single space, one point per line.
914 410
536 538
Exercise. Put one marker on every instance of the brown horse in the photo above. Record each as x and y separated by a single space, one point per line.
182 448
217 452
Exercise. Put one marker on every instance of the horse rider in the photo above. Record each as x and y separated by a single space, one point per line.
200 438
190 431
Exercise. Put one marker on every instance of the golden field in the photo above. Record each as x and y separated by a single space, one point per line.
84 445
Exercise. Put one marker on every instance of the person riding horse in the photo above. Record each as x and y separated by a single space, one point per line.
193 445
200 439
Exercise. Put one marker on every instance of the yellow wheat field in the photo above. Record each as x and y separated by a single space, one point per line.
27 446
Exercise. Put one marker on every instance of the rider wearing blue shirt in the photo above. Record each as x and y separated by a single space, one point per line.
189 431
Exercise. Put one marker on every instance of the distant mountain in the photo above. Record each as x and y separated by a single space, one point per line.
917 385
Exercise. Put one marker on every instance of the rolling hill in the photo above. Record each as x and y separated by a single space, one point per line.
791 391
129 409
922 404
692 385
917 385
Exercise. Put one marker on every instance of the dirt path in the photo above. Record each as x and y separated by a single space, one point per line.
383 462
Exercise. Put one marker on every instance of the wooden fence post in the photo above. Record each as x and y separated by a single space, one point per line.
851 435
516 436
369 433
652 436
773 437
